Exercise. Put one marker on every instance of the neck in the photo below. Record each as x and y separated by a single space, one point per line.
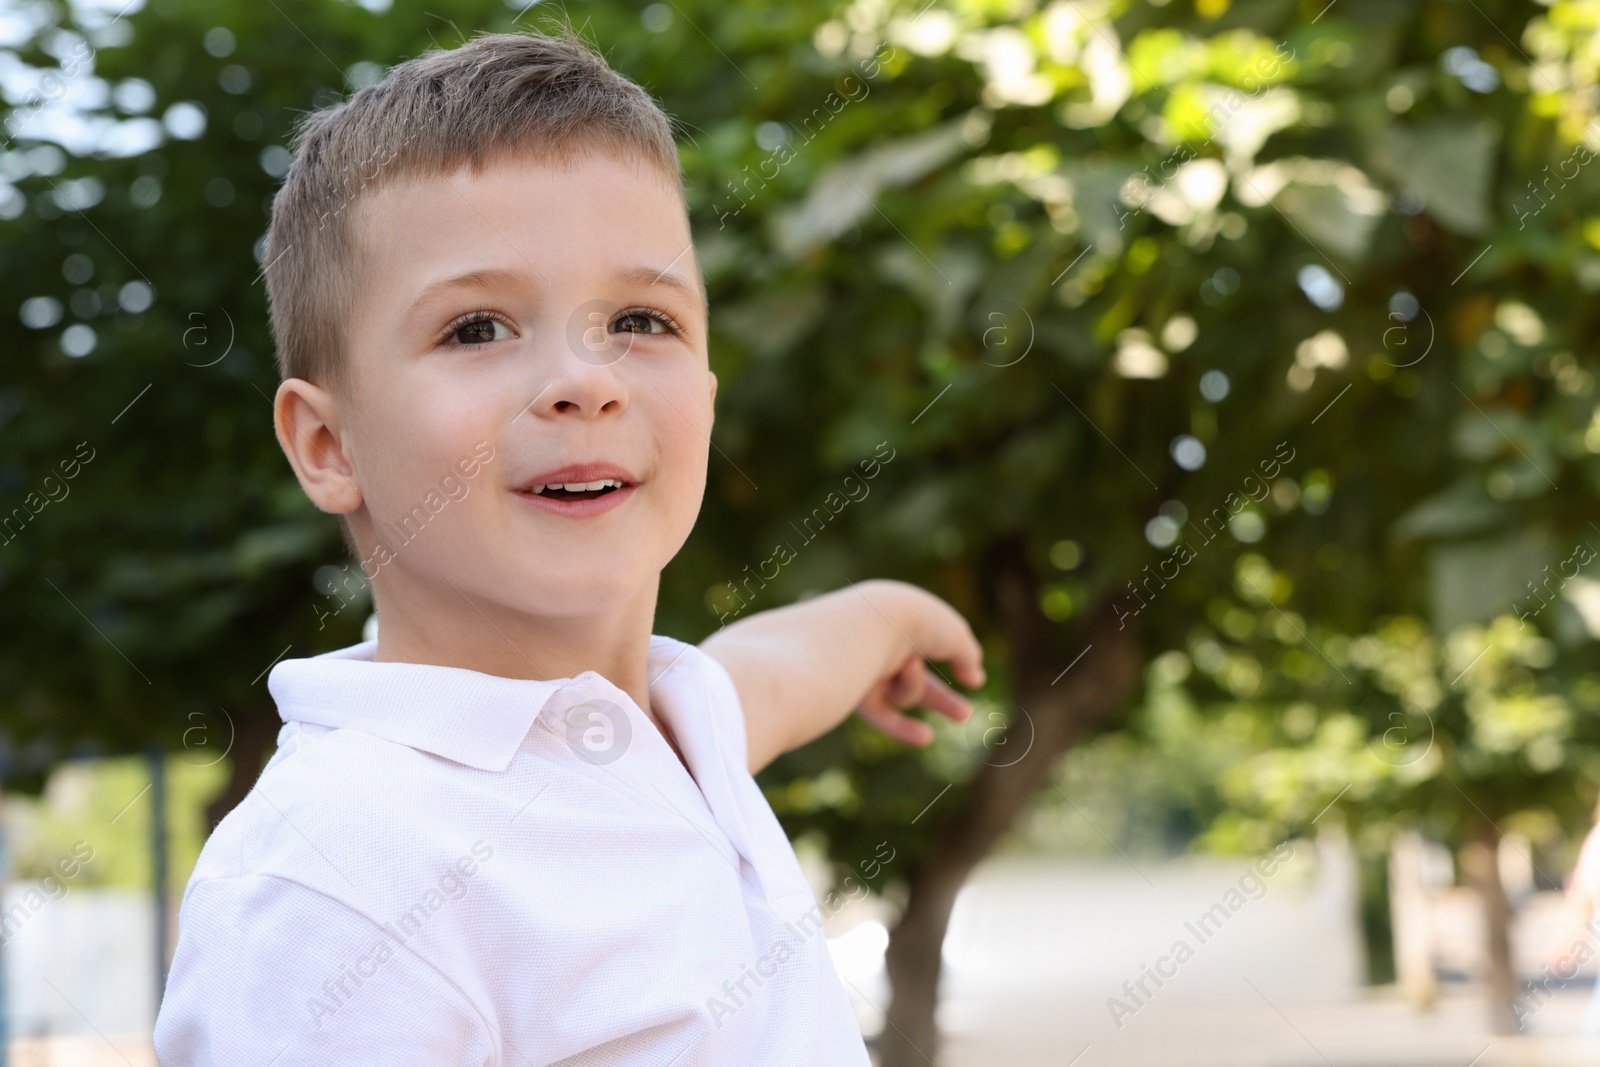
455 627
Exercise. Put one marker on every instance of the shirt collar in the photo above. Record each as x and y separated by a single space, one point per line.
475 719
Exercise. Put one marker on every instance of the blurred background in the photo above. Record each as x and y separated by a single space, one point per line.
1229 364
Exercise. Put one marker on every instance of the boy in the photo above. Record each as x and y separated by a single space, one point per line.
518 828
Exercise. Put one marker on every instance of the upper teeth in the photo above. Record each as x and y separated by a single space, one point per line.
576 487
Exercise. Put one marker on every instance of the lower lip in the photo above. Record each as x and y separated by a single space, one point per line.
580 509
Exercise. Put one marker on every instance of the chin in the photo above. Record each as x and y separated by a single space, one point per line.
578 591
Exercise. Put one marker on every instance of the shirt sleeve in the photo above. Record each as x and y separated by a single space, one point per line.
1586 874
729 710
269 971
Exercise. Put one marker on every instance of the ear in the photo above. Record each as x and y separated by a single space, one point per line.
306 418
713 376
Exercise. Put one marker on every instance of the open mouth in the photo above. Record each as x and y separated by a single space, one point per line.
577 490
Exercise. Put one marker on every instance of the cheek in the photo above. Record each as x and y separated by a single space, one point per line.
677 409
410 447
685 434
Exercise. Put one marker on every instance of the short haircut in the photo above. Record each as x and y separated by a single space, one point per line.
494 96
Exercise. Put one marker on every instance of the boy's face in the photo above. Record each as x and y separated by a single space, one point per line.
553 316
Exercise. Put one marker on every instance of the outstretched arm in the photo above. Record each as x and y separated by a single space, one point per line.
1575 928
801 669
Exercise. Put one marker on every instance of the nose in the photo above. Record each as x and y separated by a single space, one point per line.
583 378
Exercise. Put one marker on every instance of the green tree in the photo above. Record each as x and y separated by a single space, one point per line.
1465 736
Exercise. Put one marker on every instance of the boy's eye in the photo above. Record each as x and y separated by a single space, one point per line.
643 320
478 331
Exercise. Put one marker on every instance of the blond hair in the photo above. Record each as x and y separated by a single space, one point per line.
493 96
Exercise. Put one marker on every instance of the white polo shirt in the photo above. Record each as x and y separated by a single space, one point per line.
441 866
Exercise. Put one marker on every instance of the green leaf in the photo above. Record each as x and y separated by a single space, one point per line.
1449 163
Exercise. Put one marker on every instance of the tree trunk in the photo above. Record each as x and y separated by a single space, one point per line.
1055 711
253 740
1411 921
1481 858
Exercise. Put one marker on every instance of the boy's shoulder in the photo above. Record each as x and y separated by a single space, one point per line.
322 872
328 799
389 788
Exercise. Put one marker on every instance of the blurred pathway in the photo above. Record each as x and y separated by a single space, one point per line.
1377 1030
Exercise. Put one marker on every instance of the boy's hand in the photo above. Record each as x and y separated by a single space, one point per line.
937 632
911 684
801 669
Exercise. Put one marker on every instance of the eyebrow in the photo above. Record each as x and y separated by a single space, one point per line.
493 277
648 276
486 278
